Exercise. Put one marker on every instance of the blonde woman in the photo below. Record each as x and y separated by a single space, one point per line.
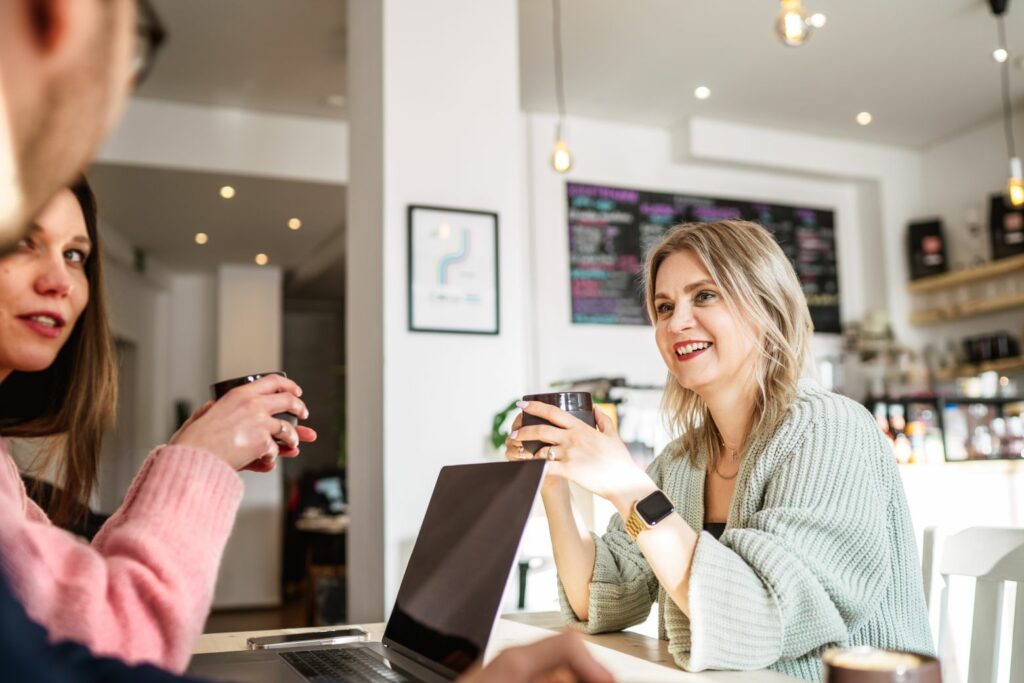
775 524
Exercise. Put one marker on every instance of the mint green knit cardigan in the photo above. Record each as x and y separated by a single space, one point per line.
818 550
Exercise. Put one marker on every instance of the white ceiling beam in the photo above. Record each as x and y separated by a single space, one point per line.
185 136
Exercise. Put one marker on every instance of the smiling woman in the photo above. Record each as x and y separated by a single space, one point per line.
56 351
775 523
157 557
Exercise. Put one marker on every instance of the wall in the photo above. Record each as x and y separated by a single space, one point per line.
434 121
249 314
960 173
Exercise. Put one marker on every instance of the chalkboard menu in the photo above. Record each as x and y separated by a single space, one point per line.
611 229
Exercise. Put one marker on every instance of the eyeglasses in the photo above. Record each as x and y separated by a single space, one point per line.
150 35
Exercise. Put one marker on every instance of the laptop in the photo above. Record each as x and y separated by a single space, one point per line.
449 599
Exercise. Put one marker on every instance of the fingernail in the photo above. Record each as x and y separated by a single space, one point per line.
305 413
513 434
522 404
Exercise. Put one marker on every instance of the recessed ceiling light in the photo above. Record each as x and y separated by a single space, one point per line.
261 259
818 20
294 223
202 238
336 100
1000 55
227 192
702 92
864 118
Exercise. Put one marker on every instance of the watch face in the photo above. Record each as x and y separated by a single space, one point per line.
654 507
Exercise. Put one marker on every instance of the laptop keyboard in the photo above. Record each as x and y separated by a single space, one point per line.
348 664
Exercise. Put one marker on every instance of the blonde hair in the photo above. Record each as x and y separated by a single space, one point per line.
755 277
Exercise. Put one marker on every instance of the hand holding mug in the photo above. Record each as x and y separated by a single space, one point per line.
242 427
596 459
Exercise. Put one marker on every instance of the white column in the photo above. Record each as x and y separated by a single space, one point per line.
249 340
434 120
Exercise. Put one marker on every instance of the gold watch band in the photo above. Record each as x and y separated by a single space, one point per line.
635 524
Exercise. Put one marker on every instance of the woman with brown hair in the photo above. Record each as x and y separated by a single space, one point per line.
142 589
775 524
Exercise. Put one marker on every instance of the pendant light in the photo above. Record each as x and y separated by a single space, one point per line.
1015 186
793 25
561 155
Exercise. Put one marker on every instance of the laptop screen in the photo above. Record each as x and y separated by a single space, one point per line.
453 586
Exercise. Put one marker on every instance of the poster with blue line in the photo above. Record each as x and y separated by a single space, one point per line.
453 270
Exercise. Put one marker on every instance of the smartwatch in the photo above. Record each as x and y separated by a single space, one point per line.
647 512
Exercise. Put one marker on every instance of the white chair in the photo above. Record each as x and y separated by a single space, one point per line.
992 556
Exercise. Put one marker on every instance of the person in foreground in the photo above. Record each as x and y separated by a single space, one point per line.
790 530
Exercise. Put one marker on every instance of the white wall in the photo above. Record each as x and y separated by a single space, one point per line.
959 175
193 310
249 314
450 134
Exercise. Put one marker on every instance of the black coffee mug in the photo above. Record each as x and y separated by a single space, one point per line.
224 386
576 403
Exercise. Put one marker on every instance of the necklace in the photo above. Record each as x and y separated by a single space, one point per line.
732 456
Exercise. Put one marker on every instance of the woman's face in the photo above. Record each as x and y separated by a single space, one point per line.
43 287
705 346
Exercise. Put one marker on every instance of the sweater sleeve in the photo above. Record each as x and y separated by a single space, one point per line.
623 586
812 563
141 591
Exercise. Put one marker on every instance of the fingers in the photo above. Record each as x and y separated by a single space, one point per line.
544 433
282 431
306 434
283 403
270 384
261 465
605 424
518 422
552 414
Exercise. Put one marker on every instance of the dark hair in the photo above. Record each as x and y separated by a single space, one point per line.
75 397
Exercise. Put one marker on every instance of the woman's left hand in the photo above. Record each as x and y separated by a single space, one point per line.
596 459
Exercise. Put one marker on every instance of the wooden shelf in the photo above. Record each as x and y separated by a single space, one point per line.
938 315
1004 365
961 277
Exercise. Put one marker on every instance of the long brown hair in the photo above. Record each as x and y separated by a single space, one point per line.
73 401
759 285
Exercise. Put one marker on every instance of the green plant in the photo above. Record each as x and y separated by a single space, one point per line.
498 435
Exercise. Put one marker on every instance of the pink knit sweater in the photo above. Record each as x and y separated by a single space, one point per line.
142 590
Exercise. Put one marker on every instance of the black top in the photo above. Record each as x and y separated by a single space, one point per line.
716 529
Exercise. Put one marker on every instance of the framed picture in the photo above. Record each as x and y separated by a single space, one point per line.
453 270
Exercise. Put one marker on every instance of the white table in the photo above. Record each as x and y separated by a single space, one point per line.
629 656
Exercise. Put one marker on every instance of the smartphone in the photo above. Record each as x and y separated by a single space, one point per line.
335 637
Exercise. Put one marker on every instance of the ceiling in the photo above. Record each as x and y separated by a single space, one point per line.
160 211
284 56
923 68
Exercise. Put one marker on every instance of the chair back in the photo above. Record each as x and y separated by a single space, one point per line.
992 556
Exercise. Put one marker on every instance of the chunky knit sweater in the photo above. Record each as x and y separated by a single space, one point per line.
818 551
142 590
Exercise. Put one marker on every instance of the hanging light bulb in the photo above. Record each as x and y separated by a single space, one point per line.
1015 188
561 156
793 25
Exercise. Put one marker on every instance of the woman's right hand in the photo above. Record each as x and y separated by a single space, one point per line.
240 429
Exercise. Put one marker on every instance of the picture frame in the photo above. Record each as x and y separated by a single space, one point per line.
453 270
